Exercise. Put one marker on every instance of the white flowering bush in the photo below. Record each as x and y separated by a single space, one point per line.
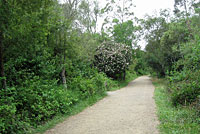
112 58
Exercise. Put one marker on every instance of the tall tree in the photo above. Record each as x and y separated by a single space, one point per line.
124 33
88 14
69 13
2 73
154 27
97 13
124 8
4 16
117 12
181 3
17 35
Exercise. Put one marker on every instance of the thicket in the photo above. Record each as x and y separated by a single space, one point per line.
173 51
185 78
47 60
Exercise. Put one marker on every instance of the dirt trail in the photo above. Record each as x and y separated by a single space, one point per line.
130 110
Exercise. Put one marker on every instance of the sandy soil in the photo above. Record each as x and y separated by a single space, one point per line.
130 110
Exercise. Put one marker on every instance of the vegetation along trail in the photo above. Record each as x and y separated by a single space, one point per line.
130 110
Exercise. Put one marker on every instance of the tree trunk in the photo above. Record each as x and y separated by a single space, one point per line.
63 73
64 78
124 75
2 74
185 6
64 60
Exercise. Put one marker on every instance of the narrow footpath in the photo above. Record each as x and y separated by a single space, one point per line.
130 110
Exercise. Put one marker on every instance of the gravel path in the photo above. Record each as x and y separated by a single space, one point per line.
130 110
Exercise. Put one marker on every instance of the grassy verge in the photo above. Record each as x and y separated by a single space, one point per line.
74 110
173 120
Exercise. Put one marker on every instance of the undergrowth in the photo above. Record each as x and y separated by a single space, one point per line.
111 85
75 109
174 120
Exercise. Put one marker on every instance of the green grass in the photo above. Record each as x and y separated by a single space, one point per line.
174 120
116 85
74 110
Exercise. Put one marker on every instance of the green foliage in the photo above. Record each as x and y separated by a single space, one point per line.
39 40
173 51
45 45
184 82
88 86
113 58
23 107
174 120
88 45
140 65
165 42
155 56
113 85
75 109
41 100
123 33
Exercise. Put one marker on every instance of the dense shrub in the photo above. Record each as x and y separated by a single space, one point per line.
88 86
185 82
22 107
185 87
25 107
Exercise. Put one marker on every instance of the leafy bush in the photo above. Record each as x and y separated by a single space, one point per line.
185 93
112 58
185 83
88 86
174 120
23 107
39 100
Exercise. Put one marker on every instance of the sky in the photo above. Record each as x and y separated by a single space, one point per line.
145 6
149 6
